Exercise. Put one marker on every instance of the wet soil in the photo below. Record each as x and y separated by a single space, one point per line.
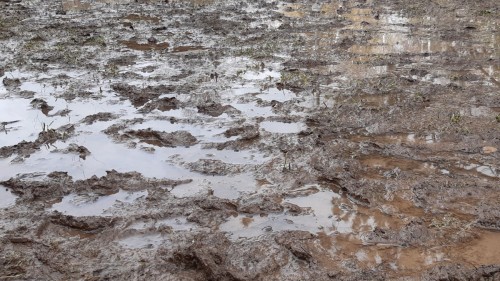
249 140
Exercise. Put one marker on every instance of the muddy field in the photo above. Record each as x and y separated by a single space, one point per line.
249 140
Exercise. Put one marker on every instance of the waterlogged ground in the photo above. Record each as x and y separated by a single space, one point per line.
249 140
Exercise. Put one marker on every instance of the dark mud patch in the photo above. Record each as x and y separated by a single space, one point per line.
163 104
140 96
138 17
42 105
134 45
11 82
58 184
101 117
161 139
74 148
215 167
247 137
90 225
45 138
245 132
216 109
123 60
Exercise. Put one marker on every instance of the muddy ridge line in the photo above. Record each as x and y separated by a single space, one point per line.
249 140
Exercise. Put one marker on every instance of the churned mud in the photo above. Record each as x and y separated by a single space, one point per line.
249 140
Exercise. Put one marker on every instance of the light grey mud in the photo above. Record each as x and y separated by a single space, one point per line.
249 140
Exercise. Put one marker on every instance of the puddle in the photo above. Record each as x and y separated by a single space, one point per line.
277 95
7 199
397 139
94 205
20 121
228 187
324 211
346 246
107 155
281 127
176 224
196 153
484 170
321 217
240 90
253 110
266 74
204 133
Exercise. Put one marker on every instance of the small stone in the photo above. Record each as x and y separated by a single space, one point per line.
152 40
489 149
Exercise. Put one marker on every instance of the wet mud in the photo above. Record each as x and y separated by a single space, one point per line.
249 140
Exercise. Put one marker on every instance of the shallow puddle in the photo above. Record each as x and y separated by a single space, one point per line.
321 216
7 199
484 170
175 224
323 211
229 187
93 204
204 133
277 95
402 138
281 127
246 88
253 110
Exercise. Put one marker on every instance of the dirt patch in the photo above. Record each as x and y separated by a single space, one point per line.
45 138
138 97
153 45
215 109
101 116
178 138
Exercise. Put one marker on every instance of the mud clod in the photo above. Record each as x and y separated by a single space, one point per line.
178 138
102 116
11 82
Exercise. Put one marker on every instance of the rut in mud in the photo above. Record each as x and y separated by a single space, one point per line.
249 140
